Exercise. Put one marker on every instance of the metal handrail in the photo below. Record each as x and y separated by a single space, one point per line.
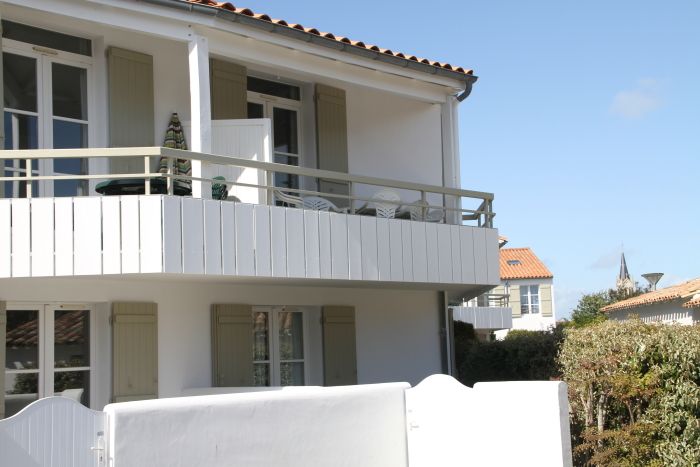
483 214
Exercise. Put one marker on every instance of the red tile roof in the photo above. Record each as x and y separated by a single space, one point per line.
522 263
344 40
684 290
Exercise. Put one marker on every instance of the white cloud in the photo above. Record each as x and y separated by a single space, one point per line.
637 102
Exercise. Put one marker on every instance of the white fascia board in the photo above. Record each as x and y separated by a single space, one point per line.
38 13
177 24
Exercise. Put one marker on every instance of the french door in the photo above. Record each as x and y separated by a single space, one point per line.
45 106
284 114
278 346
48 353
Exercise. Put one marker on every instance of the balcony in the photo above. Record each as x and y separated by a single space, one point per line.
488 312
259 232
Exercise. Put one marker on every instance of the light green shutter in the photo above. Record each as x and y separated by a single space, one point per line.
131 105
339 348
546 300
515 300
332 137
134 351
229 90
232 345
3 324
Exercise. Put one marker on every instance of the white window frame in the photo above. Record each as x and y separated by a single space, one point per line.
527 308
273 342
46 369
44 57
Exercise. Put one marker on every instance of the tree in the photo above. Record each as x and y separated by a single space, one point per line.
588 312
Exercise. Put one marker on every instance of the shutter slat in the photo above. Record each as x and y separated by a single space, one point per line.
339 347
332 137
3 328
131 105
232 345
229 90
134 351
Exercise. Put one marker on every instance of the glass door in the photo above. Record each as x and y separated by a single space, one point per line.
47 353
278 346
45 106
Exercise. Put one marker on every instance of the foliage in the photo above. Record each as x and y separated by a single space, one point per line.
522 355
634 393
587 310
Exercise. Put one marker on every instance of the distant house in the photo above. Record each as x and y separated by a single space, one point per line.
678 303
529 285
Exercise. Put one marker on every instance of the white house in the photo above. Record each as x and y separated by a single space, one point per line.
679 303
331 262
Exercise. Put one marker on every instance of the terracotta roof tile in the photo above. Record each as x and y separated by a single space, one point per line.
228 6
694 303
522 263
685 290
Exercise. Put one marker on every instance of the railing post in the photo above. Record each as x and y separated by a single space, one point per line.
147 171
352 198
28 172
423 202
170 182
270 182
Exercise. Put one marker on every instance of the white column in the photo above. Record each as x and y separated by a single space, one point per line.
200 110
450 154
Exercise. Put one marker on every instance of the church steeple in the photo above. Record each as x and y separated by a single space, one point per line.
624 281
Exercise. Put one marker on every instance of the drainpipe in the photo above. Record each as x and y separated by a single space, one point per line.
467 89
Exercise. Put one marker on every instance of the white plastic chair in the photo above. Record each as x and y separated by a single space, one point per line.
419 211
291 200
320 204
385 209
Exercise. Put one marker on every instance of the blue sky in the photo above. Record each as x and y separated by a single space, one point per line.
585 121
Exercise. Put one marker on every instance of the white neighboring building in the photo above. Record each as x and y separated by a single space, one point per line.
141 296
678 303
529 284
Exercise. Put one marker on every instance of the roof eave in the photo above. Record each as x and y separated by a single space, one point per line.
467 79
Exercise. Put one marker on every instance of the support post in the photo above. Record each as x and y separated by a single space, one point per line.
200 110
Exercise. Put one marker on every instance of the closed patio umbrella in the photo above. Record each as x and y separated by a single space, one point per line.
175 139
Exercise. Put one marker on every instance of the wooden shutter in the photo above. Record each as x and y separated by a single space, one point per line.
229 90
134 351
131 105
545 291
3 324
332 137
515 300
339 348
2 127
232 345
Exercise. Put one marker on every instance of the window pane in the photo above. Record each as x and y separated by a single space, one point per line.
71 338
20 391
535 308
261 374
261 342
273 88
524 309
69 91
19 74
22 340
255 110
284 124
21 131
51 39
73 384
67 135
292 374
291 335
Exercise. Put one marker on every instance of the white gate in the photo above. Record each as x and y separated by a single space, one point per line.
53 432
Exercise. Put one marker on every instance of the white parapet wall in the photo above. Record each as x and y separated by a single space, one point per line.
437 423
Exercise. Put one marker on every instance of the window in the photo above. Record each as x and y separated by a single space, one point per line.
278 346
529 299
45 106
47 353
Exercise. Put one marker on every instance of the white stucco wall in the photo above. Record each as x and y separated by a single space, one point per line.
667 313
397 331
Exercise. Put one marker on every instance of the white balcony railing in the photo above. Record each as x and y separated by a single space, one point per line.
425 202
